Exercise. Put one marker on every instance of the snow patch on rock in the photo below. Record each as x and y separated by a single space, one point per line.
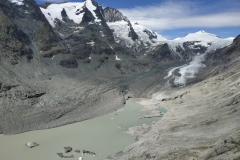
117 58
141 32
74 11
18 2
121 31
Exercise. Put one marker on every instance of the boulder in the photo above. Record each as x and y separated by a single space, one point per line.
67 149
62 156
77 151
32 144
89 152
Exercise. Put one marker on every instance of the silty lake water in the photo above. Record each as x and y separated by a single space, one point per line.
104 135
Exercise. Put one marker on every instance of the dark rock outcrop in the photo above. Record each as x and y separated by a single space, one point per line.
163 53
67 149
45 5
89 152
77 151
112 15
69 63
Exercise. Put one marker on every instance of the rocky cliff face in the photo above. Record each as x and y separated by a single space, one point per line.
113 15
26 23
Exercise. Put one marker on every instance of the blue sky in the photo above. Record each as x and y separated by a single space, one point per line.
176 18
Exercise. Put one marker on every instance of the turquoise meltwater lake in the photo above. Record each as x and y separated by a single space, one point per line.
103 135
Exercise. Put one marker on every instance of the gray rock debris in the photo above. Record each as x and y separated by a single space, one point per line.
62 156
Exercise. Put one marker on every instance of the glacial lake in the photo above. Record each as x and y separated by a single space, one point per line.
103 135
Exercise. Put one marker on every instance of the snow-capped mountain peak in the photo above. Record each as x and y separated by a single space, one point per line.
199 36
198 43
201 31
127 33
74 11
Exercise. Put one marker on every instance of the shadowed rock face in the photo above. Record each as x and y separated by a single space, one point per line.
224 55
70 63
162 53
26 28
112 15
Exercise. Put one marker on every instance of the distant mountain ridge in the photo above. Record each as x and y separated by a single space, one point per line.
196 43
132 36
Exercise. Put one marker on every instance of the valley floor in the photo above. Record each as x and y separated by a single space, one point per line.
202 122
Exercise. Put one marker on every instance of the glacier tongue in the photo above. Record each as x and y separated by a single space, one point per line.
191 42
190 70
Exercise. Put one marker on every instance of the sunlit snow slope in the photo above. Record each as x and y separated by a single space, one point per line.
75 11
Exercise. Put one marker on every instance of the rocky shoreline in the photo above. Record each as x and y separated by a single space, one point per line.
68 100
201 122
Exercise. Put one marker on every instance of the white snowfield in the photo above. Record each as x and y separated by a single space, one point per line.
199 36
211 41
18 2
122 29
139 29
53 11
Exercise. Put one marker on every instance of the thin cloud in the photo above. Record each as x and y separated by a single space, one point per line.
173 14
